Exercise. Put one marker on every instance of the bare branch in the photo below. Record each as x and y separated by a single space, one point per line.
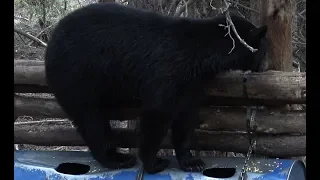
30 37
237 35
43 30
183 8
300 14
228 33
232 26
186 14
172 6
243 6
21 18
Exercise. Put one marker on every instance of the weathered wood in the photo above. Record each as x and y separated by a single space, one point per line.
49 108
22 62
278 15
61 135
29 74
265 122
212 118
272 85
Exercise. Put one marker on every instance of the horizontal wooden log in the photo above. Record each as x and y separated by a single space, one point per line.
212 118
49 108
61 135
271 85
23 62
29 74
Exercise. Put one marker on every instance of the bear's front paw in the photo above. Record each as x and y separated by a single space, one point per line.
192 164
159 166
118 161
125 160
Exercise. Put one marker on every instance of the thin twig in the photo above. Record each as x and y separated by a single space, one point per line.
300 14
212 7
237 35
186 14
298 42
30 37
173 4
21 18
243 6
232 26
228 33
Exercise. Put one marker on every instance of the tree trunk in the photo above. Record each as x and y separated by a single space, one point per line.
278 15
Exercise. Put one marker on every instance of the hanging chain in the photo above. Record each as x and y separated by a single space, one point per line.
251 112
252 145
140 173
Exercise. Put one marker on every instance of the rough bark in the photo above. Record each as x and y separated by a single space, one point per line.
212 118
275 146
278 15
271 85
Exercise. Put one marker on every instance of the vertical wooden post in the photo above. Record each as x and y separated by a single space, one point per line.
278 15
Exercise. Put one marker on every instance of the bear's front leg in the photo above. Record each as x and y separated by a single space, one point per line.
154 126
184 123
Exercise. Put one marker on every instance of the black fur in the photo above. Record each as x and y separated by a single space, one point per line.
104 54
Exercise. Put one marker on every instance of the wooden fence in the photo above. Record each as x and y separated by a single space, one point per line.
279 133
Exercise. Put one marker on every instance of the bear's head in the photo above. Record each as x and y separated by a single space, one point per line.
255 37
257 61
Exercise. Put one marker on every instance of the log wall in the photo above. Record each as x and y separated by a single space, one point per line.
279 133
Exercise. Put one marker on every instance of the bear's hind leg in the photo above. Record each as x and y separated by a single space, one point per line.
95 130
182 130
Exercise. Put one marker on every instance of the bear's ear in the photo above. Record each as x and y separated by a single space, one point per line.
260 32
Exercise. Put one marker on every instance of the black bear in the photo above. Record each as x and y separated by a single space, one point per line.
101 55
